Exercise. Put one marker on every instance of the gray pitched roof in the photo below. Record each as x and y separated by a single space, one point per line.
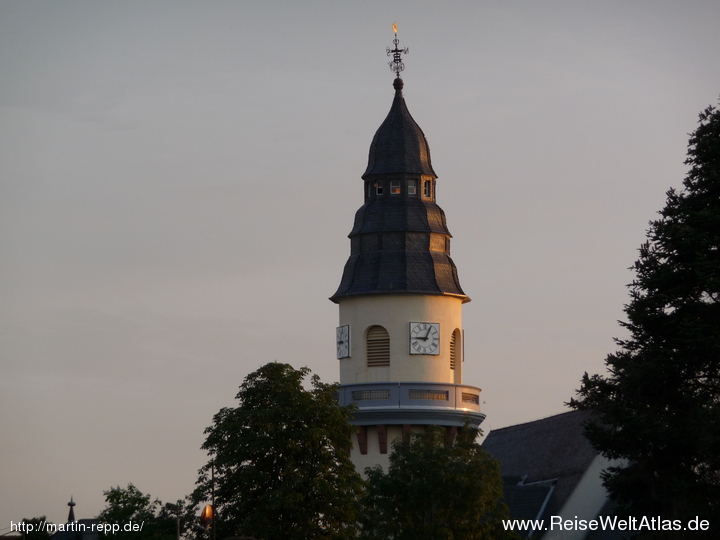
526 501
552 448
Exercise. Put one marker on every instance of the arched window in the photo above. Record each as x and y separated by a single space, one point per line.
454 347
378 347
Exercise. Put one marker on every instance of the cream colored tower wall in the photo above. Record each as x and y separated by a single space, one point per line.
373 456
395 313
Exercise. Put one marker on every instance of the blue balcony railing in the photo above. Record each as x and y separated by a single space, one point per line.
413 403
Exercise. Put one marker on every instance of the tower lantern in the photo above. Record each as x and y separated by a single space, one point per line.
400 336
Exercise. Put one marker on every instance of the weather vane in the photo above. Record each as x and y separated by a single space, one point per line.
397 64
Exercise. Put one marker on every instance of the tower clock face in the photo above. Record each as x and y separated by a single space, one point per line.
343 341
424 338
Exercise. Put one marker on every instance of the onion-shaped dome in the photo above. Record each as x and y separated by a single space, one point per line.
400 243
399 145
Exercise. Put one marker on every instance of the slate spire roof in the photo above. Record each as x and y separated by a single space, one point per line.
71 513
400 243
399 145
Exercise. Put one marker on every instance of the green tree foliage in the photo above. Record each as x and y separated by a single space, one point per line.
658 409
130 505
435 491
281 460
39 526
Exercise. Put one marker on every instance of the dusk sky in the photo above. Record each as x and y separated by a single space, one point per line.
178 179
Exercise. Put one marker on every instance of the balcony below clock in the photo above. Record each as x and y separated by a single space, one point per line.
414 403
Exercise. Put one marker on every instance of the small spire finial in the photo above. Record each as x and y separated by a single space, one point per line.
71 514
396 64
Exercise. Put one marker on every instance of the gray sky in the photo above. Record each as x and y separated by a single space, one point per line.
178 179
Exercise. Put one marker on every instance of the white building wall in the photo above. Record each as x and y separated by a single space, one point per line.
584 503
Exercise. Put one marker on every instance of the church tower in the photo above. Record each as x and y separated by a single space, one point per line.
400 336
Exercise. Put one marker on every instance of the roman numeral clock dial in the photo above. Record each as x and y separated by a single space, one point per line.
424 338
343 341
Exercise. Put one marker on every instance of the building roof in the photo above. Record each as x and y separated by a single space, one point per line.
71 513
549 449
400 243
526 501
399 145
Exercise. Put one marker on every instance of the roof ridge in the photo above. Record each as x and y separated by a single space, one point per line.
537 421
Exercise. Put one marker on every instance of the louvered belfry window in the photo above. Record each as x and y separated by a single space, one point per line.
378 347
453 347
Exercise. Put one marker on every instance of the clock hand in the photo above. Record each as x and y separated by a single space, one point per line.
427 333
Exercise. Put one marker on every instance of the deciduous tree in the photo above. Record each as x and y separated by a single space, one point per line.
39 527
131 506
433 490
281 460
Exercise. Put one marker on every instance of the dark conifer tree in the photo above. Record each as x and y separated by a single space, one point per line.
658 408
